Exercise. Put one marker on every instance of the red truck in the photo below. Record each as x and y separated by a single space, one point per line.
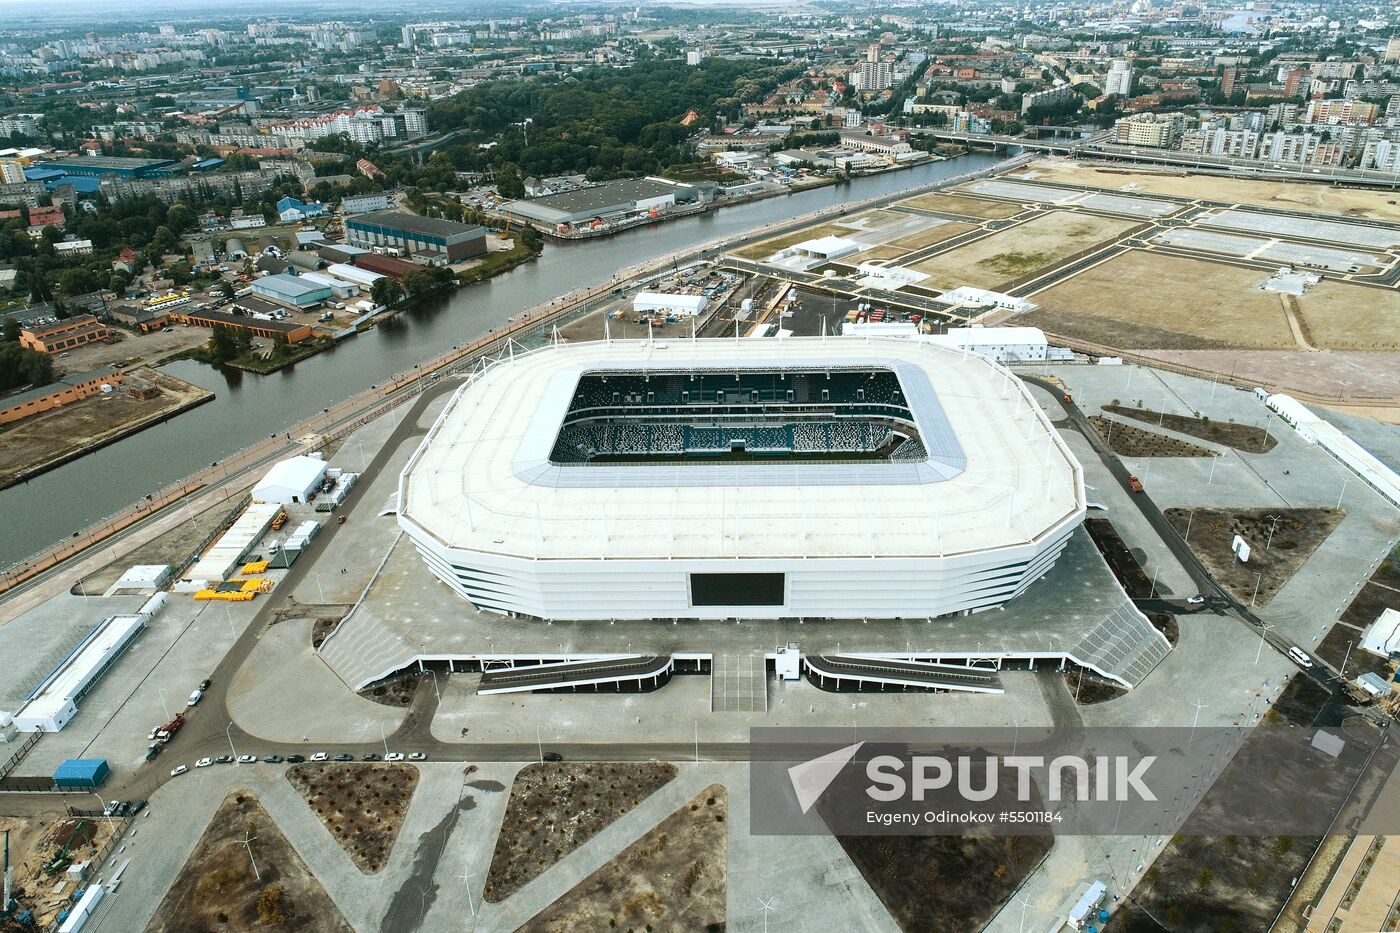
1134 483
167 732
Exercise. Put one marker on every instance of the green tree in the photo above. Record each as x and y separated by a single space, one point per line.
386 291
10 334
508 182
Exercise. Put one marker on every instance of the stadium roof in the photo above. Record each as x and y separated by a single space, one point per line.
997 475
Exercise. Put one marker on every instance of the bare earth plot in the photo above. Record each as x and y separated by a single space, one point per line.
1148 300
966 206
879 254
217 889
53 435
1010 254
1244 437
1136 442
671 879
933 235
361 805
1336 376
1272 562
1344 316
555 807
1285 195
766 248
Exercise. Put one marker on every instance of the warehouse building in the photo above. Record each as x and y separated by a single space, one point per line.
293 291
292 331
122 167
413 235
624 196
663 303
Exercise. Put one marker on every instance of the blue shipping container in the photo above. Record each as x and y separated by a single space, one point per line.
81 773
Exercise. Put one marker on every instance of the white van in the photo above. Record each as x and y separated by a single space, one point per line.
196 697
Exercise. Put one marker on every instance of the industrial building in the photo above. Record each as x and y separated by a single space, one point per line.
364 203
291 331
758 479
64 391
624 196
120 166
294 291
58 336
414 235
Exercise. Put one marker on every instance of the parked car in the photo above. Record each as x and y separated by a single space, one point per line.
345 756
553 756
1195 600
319 756
373 756
1300 658
295 759
137 807
179 770
151 736
204 684
223 759
394 756
247 759
195 697
273 759
152 751
204 762
417 756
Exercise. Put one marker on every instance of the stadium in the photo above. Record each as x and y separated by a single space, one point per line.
763 479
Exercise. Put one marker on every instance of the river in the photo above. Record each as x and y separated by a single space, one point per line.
248 407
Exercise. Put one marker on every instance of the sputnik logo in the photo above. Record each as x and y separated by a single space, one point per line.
810 779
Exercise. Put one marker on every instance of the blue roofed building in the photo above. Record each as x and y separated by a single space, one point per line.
291 291
293 210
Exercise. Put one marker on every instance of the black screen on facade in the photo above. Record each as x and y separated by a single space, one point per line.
736 589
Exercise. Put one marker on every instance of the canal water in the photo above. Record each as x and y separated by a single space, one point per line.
249 408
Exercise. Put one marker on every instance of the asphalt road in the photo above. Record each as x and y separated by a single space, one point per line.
1206 585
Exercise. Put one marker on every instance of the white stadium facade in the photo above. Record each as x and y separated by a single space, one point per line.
837 478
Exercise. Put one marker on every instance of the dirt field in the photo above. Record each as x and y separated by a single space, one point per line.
965 206
1245 437
765 248
671 879
362 804
1009 254
948 884
1296 535
1344 316
1143 300
34 841
557 806
30 443
878 254
1137 442
932 235
1287 195
218 890
134 349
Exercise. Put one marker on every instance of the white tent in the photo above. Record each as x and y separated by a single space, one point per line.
1383 635
290 480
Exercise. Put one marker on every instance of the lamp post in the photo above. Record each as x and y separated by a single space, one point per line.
228 731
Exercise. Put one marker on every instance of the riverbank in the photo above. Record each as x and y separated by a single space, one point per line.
45 511
45 441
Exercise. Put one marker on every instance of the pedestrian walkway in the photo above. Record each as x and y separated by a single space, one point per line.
739 683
